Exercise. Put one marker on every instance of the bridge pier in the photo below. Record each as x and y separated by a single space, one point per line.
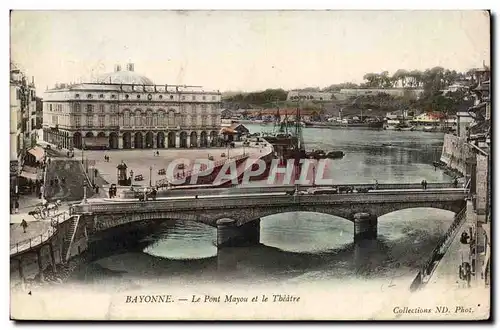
365 226
231 235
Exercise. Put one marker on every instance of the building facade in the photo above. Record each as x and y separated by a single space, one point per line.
22 110
125 110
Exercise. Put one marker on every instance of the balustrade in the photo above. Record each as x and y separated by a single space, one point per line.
276 200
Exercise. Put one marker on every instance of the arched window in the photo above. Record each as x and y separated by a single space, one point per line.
155 119
171 118
149 118
161 118
138 119
126 118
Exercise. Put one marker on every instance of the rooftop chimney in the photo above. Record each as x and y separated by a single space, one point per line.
118 67
130 67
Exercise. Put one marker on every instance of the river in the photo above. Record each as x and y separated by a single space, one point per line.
294 247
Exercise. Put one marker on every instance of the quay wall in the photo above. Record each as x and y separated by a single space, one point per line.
455 153
481 184
30 263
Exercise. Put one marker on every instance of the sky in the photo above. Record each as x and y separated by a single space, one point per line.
245 50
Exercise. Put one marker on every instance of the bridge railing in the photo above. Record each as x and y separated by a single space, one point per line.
230 201
436 254
32 242
42 238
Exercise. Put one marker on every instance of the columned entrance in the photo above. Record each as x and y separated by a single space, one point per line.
171 139
138 142
77 140
127 140
113 140
149 140
160 140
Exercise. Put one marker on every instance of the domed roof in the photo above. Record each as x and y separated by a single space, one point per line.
123 77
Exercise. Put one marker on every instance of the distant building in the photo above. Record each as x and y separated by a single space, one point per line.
414 93
464 120
310 96
126 110
22 112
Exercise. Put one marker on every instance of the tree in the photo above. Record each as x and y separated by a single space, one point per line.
372 79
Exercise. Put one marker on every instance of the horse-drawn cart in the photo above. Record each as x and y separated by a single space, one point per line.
45 209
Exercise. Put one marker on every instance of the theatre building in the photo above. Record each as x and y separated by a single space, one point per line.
125 110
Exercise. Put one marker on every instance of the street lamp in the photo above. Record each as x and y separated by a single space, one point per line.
85 192
131 178
150 171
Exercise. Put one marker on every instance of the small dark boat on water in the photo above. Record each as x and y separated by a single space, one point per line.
335 154
321 154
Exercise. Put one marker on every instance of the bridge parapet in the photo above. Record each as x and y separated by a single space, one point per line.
225 202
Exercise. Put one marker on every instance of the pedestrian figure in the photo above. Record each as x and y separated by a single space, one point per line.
376 184
455 183
96 189
63 180
56 181
110 192
423 184
157 153
67 154
24 224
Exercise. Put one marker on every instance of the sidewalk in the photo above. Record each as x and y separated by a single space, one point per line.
33 231
446 272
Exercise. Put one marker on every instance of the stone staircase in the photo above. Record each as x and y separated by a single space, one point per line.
70 237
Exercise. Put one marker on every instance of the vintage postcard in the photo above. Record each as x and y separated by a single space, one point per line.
250 165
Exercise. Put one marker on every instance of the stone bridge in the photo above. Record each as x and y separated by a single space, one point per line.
237 216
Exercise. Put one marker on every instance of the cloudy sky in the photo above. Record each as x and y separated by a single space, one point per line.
245 50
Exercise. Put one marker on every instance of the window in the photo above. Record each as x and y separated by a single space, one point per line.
155 119
101 121
183 97
126 96
90 120
138 96
89 96
161 120
194 98
171 97
77 121
114 120
204 97
126 118
50 107
90 107
54 120
76 107
213 97
101 107
113 96
77 95
101 96
161 96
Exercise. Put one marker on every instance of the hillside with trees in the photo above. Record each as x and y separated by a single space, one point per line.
431 81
